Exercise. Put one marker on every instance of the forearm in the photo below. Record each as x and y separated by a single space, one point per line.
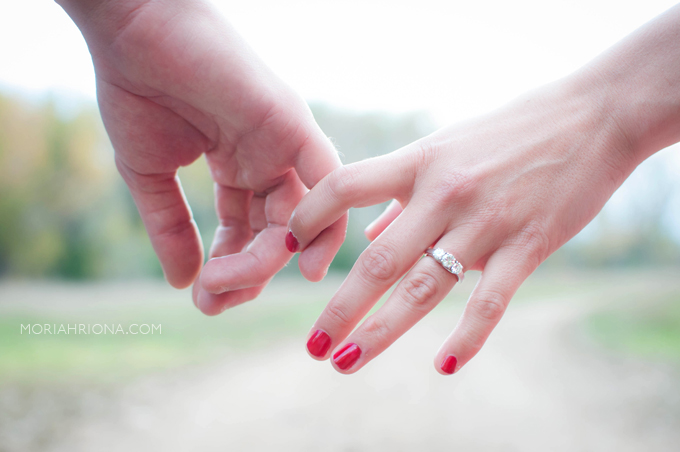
638 81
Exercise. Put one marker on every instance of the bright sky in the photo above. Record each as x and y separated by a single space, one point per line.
454 59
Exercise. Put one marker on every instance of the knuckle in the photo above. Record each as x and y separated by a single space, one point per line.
419 291
377 327
338 315
378 263
534 241
489 305
344 182
456 186
424 153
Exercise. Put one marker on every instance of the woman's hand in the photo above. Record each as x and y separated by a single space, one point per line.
175 81
500 193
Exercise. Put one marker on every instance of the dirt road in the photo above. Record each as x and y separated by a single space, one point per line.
532 389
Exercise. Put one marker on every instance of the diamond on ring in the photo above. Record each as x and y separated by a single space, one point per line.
447 261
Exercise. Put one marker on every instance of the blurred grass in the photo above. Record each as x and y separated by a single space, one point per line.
648 328
285 311
187 336
643 325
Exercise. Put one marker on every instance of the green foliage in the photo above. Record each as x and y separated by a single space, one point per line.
58 190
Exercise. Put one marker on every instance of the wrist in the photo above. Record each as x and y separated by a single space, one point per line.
637 83
606 114
582 109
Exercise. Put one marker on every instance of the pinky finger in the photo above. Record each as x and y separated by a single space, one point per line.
213 304
378 225
504 272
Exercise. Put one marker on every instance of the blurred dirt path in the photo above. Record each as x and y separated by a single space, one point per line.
533 388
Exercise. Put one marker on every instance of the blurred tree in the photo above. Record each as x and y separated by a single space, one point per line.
630 230
64 211
56 177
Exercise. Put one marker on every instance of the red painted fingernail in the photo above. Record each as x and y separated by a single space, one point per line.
449 364
347 356
319 344
292 243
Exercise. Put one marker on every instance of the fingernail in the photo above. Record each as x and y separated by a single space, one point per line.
319 344
347 356
449 364
292 243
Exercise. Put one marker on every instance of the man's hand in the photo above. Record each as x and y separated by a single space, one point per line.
175 81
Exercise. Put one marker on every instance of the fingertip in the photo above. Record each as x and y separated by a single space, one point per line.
205 304
316 158
378 225
210 279
371 233
314 275
180 255
215 304
167 218
315 261
183 275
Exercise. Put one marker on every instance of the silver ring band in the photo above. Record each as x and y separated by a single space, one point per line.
447 261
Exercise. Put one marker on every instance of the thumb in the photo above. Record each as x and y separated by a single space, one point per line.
316 159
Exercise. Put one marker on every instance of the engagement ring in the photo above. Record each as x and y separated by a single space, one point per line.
447 261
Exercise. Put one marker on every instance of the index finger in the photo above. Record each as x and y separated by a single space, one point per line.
359 184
